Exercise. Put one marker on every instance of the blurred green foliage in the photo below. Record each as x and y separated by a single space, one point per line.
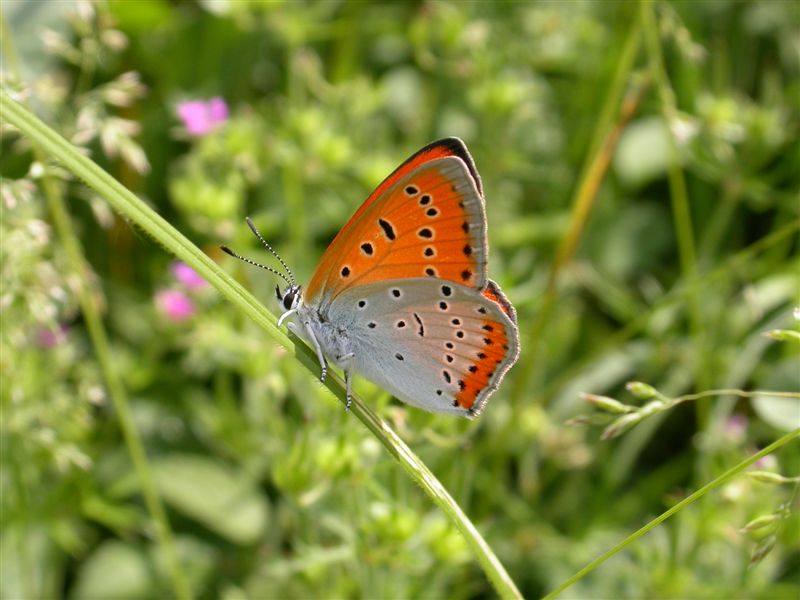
274 491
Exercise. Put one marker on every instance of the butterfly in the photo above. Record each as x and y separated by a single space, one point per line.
401 295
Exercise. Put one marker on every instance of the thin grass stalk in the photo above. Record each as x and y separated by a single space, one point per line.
99 340
127 204
713 484
291 177
681 212
603 143
590 185
734 392
18 455
677 294
115 387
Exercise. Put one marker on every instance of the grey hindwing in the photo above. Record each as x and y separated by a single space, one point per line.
418 338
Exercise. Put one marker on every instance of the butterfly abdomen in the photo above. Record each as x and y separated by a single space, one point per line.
332 334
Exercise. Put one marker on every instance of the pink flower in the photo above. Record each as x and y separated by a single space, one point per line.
187 276
201 117
767 463
174 305
48 338
736 428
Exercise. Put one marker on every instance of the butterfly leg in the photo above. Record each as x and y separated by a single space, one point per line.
348 378
323 364
344 361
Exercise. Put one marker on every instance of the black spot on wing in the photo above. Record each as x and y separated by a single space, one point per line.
421 331
388 230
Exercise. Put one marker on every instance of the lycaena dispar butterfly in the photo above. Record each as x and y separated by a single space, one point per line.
401 295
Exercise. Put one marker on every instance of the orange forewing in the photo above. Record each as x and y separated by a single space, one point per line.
438 149
426 220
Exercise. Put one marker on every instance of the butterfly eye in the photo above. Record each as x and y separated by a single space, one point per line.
288 299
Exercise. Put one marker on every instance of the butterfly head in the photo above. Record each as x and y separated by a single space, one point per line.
289 298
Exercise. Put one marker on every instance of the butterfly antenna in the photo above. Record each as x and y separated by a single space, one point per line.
227 250
275 254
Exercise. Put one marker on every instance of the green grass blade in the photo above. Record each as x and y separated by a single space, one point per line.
116 389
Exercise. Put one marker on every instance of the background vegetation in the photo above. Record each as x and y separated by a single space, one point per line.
641 165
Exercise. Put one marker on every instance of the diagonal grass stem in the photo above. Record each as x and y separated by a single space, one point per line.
713 484
127 204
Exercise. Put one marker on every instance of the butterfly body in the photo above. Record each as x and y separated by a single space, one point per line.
401 295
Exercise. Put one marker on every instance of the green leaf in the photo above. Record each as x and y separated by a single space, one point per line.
212 494
115 571
781 413
643 152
